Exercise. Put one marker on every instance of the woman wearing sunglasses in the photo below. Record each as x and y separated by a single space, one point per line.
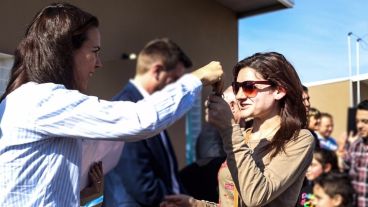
267 161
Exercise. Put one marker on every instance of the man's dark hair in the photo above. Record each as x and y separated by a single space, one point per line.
363 105
325 114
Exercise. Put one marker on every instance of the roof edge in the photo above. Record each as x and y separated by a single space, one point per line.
271 8
360 77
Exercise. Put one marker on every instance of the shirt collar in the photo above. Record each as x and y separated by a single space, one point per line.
140 88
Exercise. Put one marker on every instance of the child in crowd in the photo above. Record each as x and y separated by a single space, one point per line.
324 161
334 190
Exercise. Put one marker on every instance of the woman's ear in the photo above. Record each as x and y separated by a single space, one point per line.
232 105
279 93
337 200
327 168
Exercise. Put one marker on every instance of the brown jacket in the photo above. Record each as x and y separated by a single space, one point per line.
264 182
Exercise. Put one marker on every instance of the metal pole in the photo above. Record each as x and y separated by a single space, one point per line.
350 70
357 70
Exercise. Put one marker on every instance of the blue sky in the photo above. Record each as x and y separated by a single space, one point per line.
312 35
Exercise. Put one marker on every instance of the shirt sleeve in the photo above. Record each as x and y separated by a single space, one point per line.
257 188
68 113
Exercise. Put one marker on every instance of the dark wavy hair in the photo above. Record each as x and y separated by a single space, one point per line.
45 54
275 68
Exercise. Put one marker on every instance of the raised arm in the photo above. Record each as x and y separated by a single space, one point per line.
66 113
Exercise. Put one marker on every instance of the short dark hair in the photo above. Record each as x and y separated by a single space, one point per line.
170 53
325 114
337 184
363 105
324 157
45 54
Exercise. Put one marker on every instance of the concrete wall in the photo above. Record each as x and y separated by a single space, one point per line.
332 98
204 29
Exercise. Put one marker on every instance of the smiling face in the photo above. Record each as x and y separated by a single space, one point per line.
263 103
86 59
325 126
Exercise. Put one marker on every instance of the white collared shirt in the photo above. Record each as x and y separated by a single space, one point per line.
42 125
